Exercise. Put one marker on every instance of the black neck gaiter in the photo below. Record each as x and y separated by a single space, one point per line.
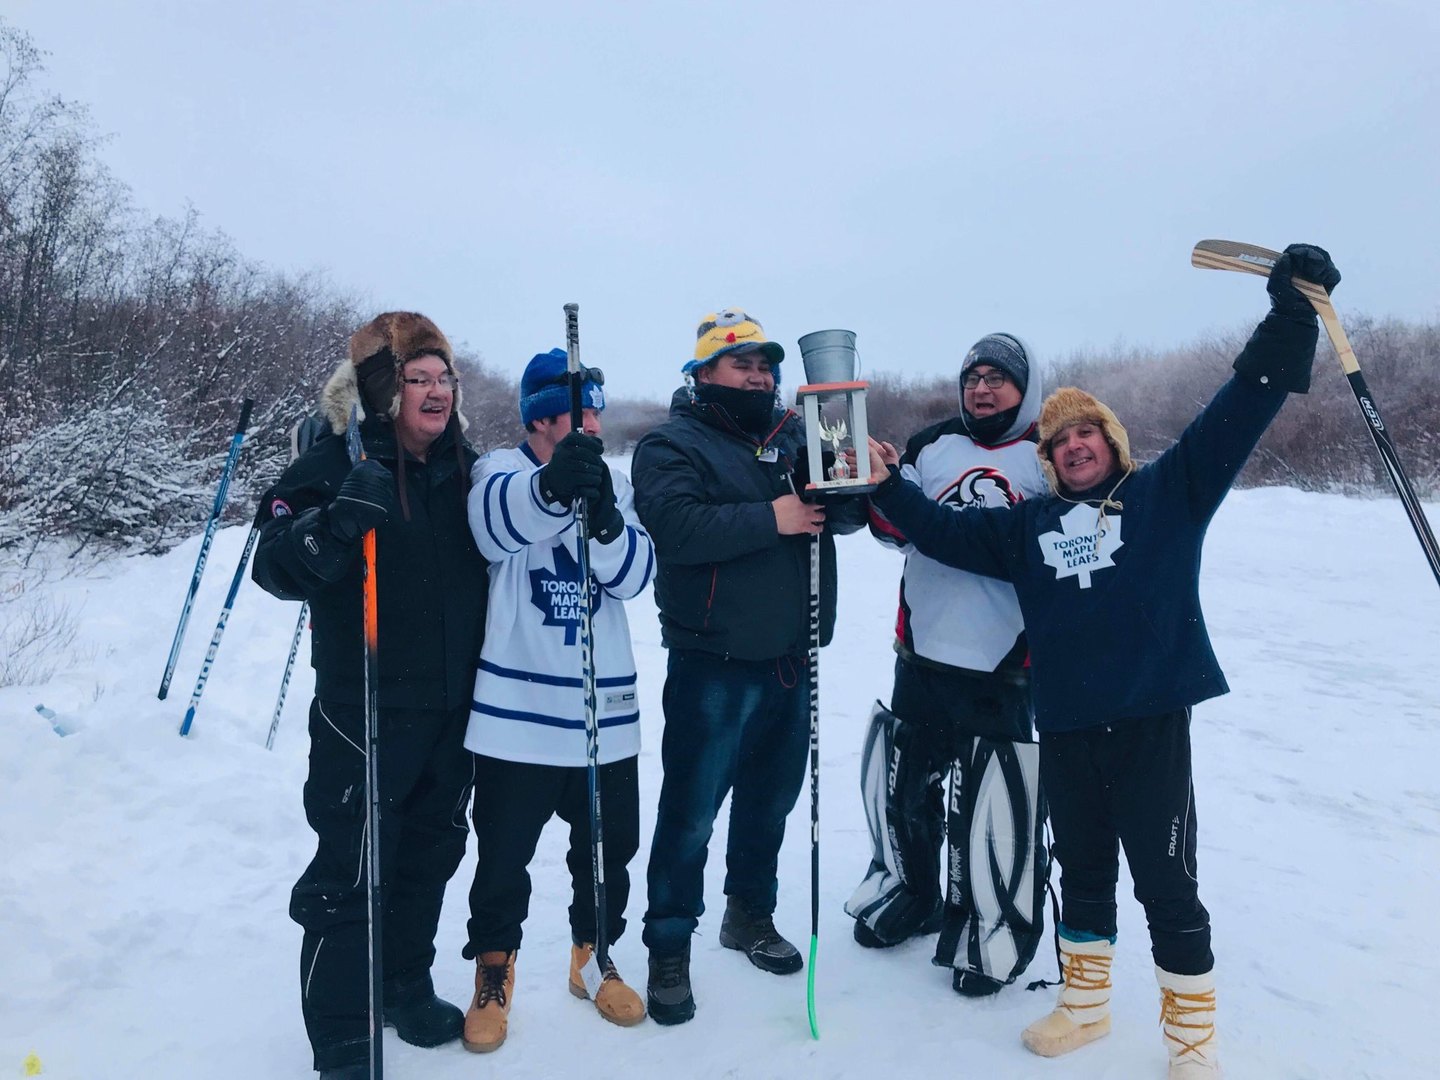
749 410
990 429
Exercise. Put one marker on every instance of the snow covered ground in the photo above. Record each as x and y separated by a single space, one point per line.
144 877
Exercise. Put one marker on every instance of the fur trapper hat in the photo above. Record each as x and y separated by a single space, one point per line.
379 351
1069 406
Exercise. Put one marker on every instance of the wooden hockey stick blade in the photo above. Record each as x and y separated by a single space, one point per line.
1254 259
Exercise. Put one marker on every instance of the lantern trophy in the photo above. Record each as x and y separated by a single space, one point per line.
831 365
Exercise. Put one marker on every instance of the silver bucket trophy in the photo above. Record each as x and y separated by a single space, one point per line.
831 364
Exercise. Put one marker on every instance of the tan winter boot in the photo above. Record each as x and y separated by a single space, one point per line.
1082 1014
615 1001
489 1014
1187 1013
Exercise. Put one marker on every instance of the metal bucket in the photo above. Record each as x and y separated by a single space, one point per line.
829 356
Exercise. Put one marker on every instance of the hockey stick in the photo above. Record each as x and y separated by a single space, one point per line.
372 773
225 611
285 681
591 977
1251 259
814 780
215 511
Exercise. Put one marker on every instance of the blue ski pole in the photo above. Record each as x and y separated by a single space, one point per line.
289 667
219 630
210 526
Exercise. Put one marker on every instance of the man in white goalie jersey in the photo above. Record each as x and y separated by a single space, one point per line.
961 705
527 726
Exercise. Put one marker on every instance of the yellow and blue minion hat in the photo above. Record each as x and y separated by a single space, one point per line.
731 330
545 388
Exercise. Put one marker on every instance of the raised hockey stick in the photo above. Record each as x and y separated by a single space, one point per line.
1252 259
593 974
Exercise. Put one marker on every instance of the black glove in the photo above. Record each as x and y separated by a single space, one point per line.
574 470
364 500
606 521
1305 261
1281 351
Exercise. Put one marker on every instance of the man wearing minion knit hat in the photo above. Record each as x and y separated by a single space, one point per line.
1106 570
715 487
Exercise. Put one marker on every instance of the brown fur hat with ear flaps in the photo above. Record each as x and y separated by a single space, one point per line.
1069 406
379 351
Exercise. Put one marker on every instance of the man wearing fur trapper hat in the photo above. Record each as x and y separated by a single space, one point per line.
411 490
715 486
1106 570
960 705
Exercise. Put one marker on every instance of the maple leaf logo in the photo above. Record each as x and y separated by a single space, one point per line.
1084 546
558 593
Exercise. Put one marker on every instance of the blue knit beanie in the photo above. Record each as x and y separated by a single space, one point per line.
544 391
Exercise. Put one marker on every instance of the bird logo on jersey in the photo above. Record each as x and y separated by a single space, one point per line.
980 486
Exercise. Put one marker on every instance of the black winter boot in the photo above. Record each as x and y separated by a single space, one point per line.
973 984
667 993
755 935
418 1016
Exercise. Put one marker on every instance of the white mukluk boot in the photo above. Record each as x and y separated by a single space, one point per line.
1082 1014
1187 1013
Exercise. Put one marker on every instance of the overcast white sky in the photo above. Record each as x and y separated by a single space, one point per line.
921 173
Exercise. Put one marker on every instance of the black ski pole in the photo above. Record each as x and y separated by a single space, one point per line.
215 512
587 652
372 776
814 779
219 630
285 681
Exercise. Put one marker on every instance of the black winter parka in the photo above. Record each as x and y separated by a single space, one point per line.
727 582
431 578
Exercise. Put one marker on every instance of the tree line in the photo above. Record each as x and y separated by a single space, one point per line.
127 343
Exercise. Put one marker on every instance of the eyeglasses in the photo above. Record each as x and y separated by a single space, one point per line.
993 379
588 374
425 382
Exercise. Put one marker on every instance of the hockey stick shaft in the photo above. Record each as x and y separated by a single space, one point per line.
214 648
587 649
374 907
215 511
285 679
1252 259
814 671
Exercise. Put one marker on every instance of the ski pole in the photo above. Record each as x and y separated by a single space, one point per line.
601 956
1253 259
219 630
814 779
289 666
215 512
372 773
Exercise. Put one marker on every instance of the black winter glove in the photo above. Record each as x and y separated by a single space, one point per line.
365 500
606 521
1281 351
1309 263
574 470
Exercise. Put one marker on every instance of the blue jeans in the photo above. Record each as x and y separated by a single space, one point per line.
730 725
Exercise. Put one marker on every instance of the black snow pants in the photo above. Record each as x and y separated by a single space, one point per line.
1129 783
425 780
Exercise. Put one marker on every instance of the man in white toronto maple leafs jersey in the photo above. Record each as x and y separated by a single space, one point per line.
961 704
527 726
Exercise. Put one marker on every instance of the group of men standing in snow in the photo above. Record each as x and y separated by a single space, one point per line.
1050 584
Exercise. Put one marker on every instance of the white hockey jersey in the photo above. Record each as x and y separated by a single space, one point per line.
529 701
952 616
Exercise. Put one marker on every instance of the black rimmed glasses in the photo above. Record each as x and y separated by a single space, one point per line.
993 379
425 382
